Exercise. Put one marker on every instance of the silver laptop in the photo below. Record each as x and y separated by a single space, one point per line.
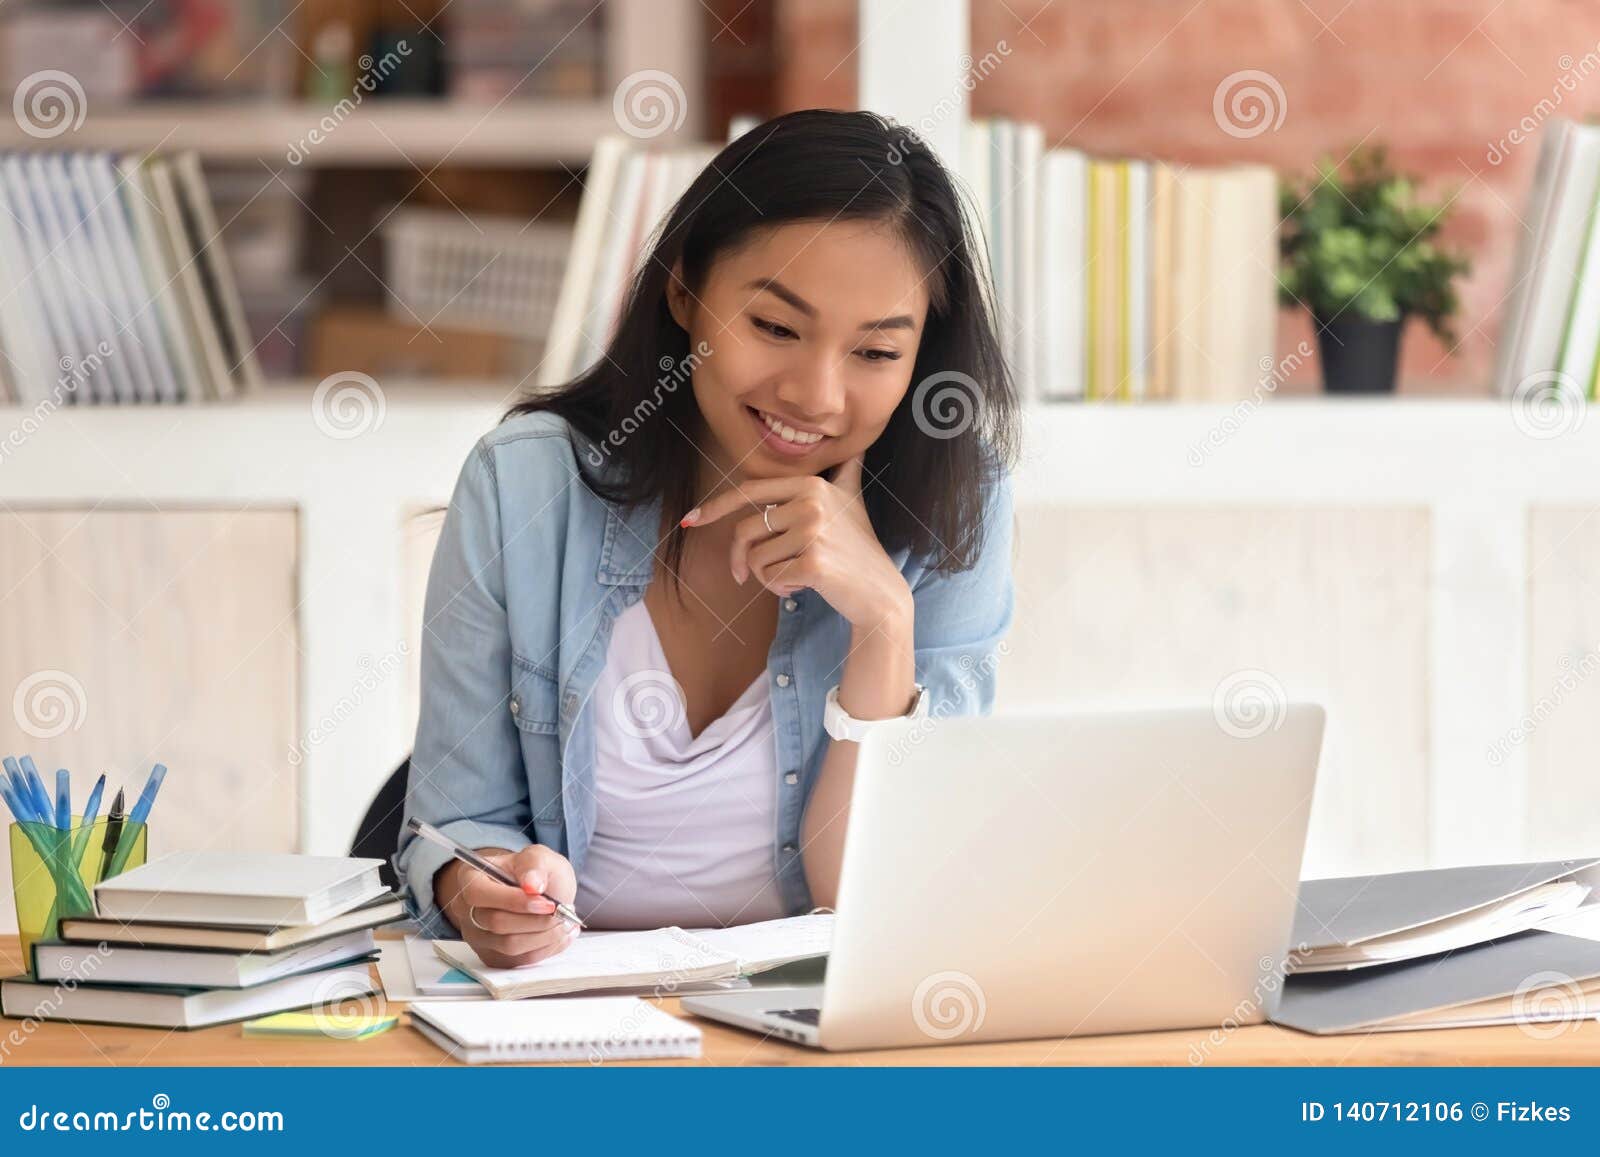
1048 875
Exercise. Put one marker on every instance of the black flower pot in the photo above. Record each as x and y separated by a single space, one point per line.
1359 355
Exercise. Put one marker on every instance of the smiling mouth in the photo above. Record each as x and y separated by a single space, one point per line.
786 432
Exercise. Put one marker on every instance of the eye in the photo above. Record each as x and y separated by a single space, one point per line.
772 327
879 355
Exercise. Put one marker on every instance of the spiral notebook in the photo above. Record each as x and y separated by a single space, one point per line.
585 1028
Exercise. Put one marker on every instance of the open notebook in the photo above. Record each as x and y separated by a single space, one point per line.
665 957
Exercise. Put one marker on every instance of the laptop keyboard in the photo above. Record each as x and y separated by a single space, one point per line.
803 1015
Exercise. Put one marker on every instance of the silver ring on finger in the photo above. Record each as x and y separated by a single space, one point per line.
472 915
767 520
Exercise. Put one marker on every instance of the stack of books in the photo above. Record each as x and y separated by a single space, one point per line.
121 291
1551 335
198 938
1125 280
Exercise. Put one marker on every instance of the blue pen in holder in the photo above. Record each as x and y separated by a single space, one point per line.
54 871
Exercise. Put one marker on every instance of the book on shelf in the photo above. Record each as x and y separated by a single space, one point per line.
1551 335
129 296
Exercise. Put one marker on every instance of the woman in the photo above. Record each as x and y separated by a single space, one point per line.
643 593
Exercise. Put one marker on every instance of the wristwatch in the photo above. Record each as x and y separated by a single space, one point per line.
840 724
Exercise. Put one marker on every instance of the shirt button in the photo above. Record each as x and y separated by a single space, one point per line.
791 778
788 849
516 705
783 680
789 604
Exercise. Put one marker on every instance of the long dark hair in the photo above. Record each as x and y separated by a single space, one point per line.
925 480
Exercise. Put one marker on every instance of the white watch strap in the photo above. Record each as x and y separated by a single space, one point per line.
840 724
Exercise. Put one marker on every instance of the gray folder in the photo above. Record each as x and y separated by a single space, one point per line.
1333 1002
1347 910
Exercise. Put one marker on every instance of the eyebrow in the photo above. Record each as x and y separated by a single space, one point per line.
781 291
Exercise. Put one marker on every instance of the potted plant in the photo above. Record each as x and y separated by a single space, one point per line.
1359 251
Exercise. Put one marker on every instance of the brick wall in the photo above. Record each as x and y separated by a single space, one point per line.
1439 81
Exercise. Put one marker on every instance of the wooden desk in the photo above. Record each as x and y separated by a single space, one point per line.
54 1043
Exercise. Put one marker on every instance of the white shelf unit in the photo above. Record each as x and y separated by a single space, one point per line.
662 35
1467 463
378 133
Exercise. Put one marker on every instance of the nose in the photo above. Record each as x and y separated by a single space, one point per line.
815 391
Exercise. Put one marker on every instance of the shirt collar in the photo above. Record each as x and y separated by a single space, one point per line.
632 536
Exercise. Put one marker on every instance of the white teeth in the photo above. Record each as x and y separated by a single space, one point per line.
788 433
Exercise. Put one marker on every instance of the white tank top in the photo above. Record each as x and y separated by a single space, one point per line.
683 827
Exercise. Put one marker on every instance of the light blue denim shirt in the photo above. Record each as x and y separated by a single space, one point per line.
531 570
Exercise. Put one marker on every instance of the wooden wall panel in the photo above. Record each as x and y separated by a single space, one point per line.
161 635
418 537
1138 606
1561 720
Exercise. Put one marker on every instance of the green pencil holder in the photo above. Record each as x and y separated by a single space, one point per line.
53 872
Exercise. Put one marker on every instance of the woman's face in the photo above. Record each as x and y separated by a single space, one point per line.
813 326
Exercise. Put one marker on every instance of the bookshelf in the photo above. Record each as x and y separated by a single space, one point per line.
397 132
1474 478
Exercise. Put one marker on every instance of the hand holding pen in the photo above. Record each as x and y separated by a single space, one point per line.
505 904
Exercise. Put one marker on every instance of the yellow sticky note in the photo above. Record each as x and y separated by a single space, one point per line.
320 1024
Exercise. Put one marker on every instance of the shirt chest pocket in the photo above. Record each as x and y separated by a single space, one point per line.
535 700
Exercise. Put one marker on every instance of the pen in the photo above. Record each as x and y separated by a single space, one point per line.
23 813
63 799
39 797
19 799
91 812
467 856
141 809
108 847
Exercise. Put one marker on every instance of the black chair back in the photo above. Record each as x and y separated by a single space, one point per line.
378 834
